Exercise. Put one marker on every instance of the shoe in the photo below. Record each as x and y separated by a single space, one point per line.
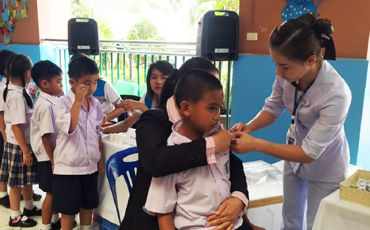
35 197
33 212
56 226
22 221
5 201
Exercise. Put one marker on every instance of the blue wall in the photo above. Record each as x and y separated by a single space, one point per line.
253 79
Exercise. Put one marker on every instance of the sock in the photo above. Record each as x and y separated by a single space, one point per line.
28 204
14 214
55 218
85 227
46 226
3 194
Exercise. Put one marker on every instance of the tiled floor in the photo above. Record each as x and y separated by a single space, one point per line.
5 213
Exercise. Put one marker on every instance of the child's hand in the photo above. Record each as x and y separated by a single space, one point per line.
81 92
100 166
27 158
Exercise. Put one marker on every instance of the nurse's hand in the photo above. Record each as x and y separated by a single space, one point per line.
243 143
241 127
226 215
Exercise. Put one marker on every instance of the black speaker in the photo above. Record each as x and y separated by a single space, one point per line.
83 36
218 36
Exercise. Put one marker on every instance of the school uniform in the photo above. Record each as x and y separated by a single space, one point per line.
2 88
319 130
43 122
156 159
17 112
194 194
107 95
76 156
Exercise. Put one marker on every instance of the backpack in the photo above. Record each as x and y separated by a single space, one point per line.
296 8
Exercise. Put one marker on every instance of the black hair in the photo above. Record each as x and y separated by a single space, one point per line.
171 81
194 84
18 66
162 66
4 56
81 65
44 70
298 39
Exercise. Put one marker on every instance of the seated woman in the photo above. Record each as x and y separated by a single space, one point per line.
157 74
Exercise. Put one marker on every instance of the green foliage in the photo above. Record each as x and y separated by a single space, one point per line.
144 30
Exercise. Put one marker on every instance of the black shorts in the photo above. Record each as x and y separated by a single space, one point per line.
45 176
73 192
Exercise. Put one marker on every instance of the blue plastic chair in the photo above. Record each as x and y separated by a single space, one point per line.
115 167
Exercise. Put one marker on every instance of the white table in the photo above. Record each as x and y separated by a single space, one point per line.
106 208
338 214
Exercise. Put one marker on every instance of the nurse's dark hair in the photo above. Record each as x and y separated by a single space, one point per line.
193 63
81 65
162 66
44 70
194 84
298 39
17 67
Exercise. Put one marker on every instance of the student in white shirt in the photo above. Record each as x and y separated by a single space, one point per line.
157 75
77 155
19 165
44 132
184 200
5 55
316 152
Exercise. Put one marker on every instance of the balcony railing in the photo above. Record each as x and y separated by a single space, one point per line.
130 60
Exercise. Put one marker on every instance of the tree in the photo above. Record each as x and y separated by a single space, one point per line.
144 30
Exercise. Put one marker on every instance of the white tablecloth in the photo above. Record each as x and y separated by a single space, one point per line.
106 208
338 214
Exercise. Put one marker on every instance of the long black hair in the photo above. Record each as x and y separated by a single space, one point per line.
18 66
162 66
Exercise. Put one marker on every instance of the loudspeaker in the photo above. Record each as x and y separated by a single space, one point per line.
218 36
83 36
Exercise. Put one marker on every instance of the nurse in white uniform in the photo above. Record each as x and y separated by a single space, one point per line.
316 153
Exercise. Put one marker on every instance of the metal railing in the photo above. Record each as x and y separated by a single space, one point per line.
130 60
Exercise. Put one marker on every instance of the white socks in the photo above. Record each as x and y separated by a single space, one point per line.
55 218
28 204
3 194
46 226
84 227
14 214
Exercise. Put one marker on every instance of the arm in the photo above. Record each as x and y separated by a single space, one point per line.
262 120
49 148
158 159
18 134
115 113
100 162
166 221
130 105
2 125
80 93
121 126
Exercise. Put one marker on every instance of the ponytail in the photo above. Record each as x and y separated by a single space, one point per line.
26 95
6 89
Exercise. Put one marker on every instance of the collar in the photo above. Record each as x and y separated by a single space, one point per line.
179 137
15 87
48 97
172 111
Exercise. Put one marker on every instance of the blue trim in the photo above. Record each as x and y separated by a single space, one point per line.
100 92
148 102
105 224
